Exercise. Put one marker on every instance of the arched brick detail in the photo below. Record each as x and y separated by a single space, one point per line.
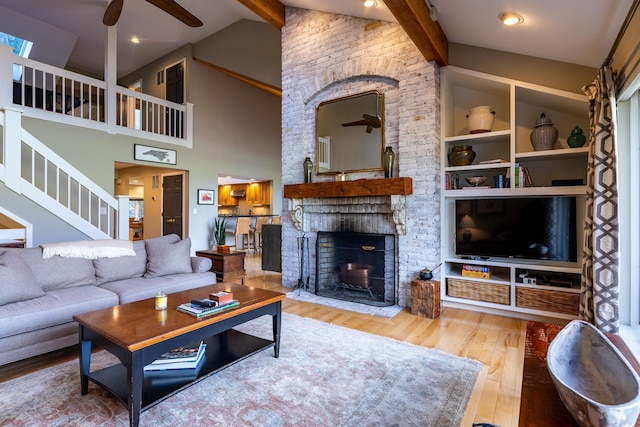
381 69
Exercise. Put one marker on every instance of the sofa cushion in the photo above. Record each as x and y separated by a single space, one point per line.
139 288
110 269
58 272
168 258
54 308
17 282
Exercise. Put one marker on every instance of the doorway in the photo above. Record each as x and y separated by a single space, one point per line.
174 92
150 180
172 204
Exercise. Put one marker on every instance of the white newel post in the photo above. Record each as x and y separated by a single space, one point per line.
12 134
122 221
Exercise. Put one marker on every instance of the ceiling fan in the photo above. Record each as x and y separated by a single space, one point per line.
369 121
112 14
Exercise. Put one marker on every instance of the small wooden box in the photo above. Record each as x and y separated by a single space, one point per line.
425 298
221 297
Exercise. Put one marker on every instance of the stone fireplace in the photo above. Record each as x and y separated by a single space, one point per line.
327 56
357 267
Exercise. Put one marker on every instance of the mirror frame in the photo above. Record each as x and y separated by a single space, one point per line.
379 100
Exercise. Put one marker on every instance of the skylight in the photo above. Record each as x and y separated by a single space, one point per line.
21 47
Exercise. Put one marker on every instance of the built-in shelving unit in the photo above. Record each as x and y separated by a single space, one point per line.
517 106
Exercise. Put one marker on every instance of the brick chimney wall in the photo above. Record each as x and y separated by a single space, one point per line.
327 56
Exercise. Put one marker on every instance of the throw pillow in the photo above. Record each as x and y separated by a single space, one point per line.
112 269
17 282
168 258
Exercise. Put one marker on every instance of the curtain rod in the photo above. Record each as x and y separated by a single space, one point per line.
623 29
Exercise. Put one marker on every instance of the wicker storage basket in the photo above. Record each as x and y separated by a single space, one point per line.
480 291
546 300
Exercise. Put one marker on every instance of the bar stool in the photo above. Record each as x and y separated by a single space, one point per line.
257 232
243 227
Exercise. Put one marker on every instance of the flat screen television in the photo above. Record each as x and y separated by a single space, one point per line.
542 228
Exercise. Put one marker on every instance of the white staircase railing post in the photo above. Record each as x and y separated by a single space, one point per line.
12 134
122 221
189 126
6 75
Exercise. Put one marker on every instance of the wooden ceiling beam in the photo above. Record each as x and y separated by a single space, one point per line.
426 34
273 90
271 11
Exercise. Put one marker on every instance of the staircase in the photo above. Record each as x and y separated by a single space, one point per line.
29 168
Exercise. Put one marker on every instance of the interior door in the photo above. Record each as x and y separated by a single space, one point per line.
172 205
174 91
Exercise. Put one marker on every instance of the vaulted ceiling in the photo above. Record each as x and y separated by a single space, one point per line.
71 31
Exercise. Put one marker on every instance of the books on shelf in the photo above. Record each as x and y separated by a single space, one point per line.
452 181
186 357
492 161
199 311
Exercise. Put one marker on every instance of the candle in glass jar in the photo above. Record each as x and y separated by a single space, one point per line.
161 301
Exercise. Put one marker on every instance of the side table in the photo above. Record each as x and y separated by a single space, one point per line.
425 298
229 267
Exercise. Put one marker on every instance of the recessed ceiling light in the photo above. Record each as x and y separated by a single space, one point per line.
370 3
135 40
510 18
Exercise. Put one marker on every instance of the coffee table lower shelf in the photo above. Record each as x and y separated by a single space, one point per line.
223 350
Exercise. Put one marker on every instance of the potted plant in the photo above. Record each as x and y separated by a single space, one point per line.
220 235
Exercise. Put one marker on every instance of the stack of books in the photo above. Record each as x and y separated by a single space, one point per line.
185 357
200 311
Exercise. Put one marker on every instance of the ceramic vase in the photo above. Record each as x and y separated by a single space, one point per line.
480 119
544 135
461 155
308 169
388 157
577 138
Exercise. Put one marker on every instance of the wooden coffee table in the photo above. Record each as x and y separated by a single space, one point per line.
138 334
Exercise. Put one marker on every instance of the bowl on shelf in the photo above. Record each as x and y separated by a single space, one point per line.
461 155
475 180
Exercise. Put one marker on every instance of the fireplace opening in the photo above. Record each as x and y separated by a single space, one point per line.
357 267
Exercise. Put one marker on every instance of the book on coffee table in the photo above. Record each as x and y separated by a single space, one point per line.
189 362
187 353
199 312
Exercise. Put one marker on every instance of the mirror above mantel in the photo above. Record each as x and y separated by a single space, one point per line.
350 134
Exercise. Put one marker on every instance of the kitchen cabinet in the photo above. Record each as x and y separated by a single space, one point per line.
258 193
224 196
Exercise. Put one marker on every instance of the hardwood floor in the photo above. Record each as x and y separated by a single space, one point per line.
498 342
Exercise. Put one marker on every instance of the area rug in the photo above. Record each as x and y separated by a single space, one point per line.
387 312
326 375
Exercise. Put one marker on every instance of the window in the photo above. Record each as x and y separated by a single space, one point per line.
21 47
136 209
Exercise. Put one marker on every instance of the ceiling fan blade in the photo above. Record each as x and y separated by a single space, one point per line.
357 123
375 121
177 11
112 14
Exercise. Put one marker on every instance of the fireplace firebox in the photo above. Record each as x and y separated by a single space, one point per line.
357 267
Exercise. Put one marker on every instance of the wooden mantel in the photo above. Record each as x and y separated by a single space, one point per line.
356 188
395 188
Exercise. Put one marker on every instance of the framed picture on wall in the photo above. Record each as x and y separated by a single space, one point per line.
205 197
154 154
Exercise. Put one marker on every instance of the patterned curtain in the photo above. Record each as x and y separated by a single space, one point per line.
600 288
